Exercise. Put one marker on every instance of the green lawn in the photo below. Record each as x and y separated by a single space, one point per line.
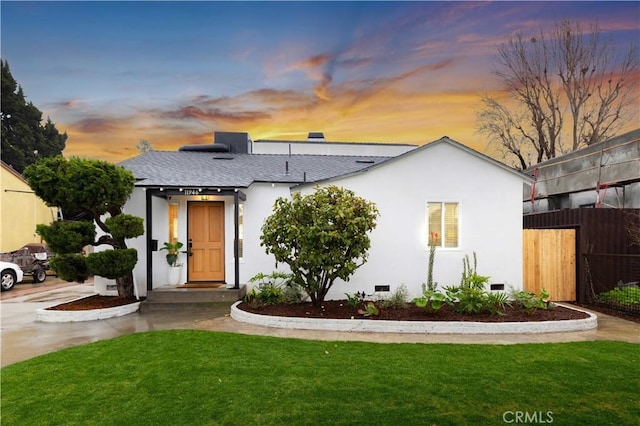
187 377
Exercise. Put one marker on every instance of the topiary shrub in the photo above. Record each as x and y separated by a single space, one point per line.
70 267
112 263
67 236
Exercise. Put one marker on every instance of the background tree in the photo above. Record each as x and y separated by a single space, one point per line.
572 89
24 137
322 236
144 146
98 190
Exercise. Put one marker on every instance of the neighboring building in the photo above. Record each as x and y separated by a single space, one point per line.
20 211
606 174
215 198
317 145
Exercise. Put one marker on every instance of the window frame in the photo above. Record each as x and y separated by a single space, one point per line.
174 222
241 219
442 203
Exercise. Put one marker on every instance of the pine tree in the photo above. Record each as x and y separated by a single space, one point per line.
24 138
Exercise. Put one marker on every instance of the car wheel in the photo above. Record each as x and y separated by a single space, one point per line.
39 275
8 280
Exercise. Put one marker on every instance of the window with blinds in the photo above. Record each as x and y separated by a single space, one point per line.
173 222
443 229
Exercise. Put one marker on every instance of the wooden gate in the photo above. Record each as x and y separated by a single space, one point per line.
549 258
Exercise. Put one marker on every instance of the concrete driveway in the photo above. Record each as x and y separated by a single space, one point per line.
23 338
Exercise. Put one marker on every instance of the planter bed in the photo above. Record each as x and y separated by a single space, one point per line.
76 310
489 324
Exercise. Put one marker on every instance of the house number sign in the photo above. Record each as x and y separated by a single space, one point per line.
191 192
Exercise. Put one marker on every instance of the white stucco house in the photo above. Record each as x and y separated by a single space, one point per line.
214 198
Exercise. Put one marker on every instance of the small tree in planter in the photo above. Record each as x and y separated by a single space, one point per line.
91 189
322 237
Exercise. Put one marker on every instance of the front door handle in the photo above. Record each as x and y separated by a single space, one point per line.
189 246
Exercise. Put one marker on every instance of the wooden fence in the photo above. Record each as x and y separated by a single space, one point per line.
600 231
549 258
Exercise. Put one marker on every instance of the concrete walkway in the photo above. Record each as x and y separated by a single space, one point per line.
23 338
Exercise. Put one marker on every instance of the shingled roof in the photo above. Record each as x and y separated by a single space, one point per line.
224 170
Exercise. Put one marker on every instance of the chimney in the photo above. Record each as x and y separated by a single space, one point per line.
316 137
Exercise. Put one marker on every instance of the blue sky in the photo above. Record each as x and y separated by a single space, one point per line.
112 73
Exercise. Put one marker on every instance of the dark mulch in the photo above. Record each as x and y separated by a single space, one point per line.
93 302
338 309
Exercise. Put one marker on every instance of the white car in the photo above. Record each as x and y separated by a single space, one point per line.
11 274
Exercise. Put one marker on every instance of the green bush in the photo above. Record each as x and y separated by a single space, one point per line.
432 300
531 302
277 287
112 264
624 295
398 298
370 309
471 297
125 226
67 236
70 267
354 300
322 237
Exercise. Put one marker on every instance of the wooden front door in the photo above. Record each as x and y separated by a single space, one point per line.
206 241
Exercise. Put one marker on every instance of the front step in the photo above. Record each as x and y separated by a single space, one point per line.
176 297
222 308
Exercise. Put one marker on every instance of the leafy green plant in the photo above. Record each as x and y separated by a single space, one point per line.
270 295
471 300
470 296
432 300
264 295
628 295
470 276
499 300
370 309
397 299
531 302
173 249
354 300
291 291
251 298
322 237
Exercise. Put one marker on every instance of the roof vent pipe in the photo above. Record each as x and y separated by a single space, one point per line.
286 167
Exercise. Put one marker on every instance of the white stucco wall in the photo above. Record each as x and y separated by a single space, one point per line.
490 223
260 200
490 220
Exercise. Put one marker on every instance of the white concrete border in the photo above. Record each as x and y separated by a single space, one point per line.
427 327
48 315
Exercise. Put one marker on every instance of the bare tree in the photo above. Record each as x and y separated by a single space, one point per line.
570 71
144 146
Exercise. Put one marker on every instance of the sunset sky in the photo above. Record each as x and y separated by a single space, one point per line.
112 73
